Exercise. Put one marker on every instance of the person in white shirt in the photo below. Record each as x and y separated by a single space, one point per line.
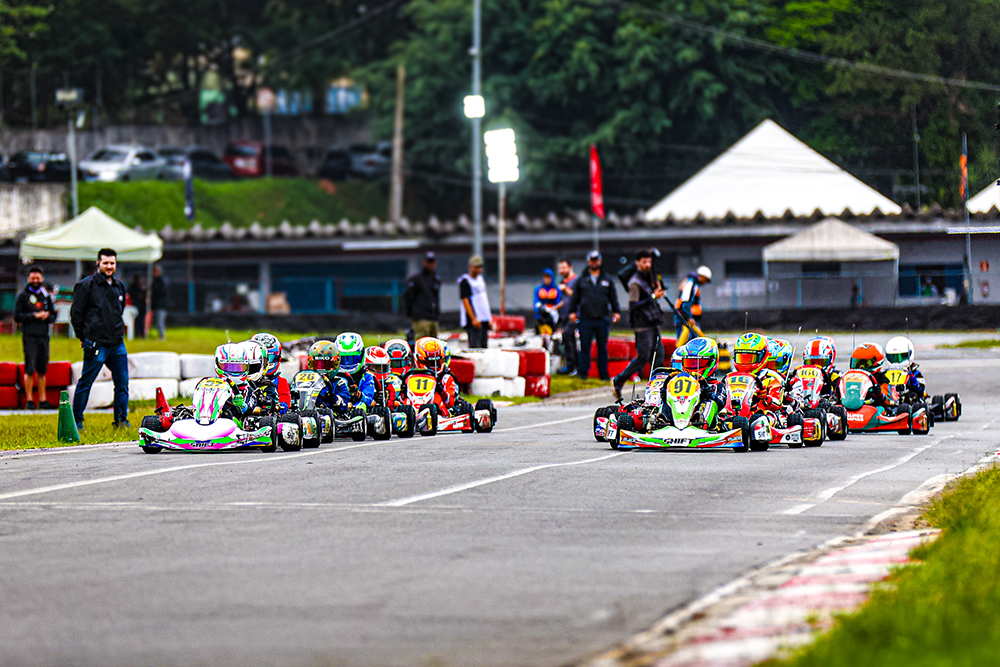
475 314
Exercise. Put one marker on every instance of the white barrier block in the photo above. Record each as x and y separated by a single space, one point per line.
488 386
494 363
148 365
186 387
197 366
102 395
514 387
77 371
144 389
555 363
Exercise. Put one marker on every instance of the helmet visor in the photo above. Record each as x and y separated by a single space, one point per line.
697 365
378 370
748 357
351 362
897 357
399 364
324 364
233 367
864 363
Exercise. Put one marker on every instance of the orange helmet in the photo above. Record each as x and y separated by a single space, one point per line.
429 354
868 357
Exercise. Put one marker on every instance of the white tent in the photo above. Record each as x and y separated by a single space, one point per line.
84 235
771 172
985 200
831 241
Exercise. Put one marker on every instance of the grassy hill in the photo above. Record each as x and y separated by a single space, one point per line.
154 204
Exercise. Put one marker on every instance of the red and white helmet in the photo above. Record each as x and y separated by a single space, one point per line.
820 351
400 358
377 362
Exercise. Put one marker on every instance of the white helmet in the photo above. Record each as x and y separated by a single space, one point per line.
899 350
241 361
705 273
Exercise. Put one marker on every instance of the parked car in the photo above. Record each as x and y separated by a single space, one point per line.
4 173
368 161
249 159
336 164
123 163
205 164
38 167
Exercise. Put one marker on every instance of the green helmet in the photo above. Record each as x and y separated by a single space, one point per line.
351 348
323 358
700 357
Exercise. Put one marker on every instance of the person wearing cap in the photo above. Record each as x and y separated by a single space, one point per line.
688 304
422 299
645 317
594 307
474 315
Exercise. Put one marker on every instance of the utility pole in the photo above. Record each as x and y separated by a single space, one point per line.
396 197
916 154
34 104
477 159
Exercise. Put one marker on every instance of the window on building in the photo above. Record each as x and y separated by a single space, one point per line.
930 280
821 268
744 268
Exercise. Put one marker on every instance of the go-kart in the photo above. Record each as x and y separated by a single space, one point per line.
946 408
420 392
902 392
765 427
682 422
855 386
316 423
403 418
202 427
807 386
642 409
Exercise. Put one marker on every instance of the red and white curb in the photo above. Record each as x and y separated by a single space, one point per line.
778 607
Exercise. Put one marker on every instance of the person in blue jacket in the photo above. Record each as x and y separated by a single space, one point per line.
548 299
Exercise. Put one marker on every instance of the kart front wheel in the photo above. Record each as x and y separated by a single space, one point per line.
955 411
386 417
487 404
759 445
841 432
743 424
796 419
927 416
358 436
430 422
906 409
601 413
470 410
625 422
411 421
327 416
151 422
295 423
312 442
269 421
820 417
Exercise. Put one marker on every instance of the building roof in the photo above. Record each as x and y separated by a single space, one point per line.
770 173
84 235
986 200
831 241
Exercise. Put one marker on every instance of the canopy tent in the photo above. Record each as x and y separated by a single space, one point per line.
986 200
770 172
84 235
832 241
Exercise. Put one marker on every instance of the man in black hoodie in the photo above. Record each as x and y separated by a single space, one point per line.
422 299
594 308
96 314
34 312
645 318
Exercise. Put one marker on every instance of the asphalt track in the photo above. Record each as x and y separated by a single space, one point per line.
534 545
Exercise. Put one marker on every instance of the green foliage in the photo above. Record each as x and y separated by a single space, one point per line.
19 22
155 204
942 612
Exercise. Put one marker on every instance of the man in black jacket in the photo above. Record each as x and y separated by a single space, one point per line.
594 307
423 299
645 317
160 301
34 312
98 303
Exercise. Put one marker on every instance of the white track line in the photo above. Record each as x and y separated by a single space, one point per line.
74 449
553 423
161 471
409 500
826 494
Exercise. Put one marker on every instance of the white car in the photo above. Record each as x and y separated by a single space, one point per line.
123 163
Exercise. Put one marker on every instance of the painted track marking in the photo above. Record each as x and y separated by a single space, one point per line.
552 423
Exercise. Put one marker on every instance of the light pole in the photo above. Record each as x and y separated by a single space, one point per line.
71 99
503 168
477 159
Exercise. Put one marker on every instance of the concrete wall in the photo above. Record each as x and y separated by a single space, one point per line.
30 207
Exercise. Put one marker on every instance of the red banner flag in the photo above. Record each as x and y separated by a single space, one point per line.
596 183
964 163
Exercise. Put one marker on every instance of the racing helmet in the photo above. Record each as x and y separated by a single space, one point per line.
700 357
750 353
324 358
779 356
272 347
868 357
899 350
240 362
377 362
429 354
400 359
820 351
676 357
352 352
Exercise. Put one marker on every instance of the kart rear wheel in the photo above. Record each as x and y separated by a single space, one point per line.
313 442
293 419
758 445
625 422
470 410
386 417
743 424
431 424
326 414
927 415
152 422
795 419
954 413
840 433
819 416
270 421
602 413
937 406
487 404
411 421
908 429
358 436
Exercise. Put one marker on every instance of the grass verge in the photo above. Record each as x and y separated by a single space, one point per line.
941 612
982 344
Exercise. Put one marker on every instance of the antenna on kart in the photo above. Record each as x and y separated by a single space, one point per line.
798 336
907 320
228 339
854 336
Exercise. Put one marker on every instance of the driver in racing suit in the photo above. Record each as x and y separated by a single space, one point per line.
822 353
324 360
869 357
239 364
377 364
432 354
274 390
351 349
699 358
400 361
899 353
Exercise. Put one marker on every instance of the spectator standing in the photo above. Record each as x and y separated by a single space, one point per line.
645 317
689 303
160 301
594 307
34 311
567 284
548 300
137 295
474 315
423 299
96 314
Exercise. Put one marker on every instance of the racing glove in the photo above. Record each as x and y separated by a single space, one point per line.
239 402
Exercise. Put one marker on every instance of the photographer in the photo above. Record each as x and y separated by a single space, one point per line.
645 318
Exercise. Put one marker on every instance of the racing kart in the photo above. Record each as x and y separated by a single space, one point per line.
946 408
855 386
202 427
432 417
402 417
765 427
317 423
682 421
807 390
643 409
902 392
